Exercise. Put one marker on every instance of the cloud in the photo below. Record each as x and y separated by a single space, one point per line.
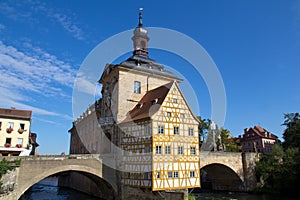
83 84
35 71
28 10
68 25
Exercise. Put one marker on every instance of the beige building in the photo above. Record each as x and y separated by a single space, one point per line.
14 131
143 112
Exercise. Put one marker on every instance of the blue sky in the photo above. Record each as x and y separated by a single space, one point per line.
255 45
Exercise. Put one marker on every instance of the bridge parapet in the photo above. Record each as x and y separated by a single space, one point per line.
54 157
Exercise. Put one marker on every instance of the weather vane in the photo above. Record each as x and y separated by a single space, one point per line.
140 17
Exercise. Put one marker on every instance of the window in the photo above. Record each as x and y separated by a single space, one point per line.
160 129
158 175
146 175
8 141
175 174
154 101
168 150
128 175
20 141
180 150
22 126
169 174
192 174
176 130
193 150
0 125
10 125
136 176
147 129
182 115
137 87
158 150
191 131
174 100
169 114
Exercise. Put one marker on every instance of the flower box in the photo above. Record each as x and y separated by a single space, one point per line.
19 146
9 130
7 145
21 130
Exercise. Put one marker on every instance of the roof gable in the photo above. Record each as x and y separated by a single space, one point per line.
182 104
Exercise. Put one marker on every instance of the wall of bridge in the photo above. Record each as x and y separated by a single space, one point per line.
88 169
242 164
34 169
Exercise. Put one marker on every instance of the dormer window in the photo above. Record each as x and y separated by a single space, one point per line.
154 101
138 106
137 87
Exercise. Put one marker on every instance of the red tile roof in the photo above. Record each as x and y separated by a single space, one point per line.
260 131
15 114
149 104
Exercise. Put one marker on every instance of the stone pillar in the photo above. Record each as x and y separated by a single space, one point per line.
249 162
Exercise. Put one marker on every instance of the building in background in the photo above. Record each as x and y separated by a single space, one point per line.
15 136
258 139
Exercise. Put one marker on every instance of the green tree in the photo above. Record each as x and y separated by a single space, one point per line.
291 134
281 169
270 167
203 127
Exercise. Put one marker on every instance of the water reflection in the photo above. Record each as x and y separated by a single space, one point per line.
47 189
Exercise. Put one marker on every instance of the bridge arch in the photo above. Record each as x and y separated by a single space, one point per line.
222 177
84 170
87 169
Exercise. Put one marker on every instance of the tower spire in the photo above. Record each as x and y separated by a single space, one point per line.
141 17
140 38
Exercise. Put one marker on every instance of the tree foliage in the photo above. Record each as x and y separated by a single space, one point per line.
280 170
291 134
203 127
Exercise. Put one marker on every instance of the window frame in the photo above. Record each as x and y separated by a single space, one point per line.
193 150
191 131
161 129
176 130
176 174
158 175
180 150
192 174
137 87
167 150
158 150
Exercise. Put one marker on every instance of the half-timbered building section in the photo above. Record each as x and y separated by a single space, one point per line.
176 161
136 141
172 137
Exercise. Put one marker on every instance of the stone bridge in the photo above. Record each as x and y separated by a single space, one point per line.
231 171
88 166
223 170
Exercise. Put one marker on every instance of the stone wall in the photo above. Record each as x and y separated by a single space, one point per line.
9 184
147 194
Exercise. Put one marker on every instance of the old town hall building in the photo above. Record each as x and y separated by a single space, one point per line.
143 112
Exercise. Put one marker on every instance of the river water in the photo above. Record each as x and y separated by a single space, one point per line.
47 189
